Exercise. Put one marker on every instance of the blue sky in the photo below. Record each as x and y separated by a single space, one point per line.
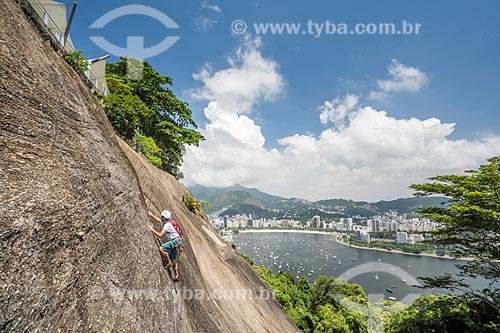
294 115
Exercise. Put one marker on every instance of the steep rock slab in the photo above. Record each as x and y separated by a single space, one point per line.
232 297
72 236
75 253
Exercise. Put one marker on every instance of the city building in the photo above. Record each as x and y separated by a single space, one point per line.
316 221
401 237
348 224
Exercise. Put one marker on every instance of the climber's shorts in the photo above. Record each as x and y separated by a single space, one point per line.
172 247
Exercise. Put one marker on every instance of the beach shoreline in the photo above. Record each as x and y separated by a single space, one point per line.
286 230
350 245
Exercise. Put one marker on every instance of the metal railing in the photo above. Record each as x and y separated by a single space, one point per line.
41 17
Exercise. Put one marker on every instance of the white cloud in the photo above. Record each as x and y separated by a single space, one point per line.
250 78
336 110
366 154
233 151
204 23
375 156
403 78
214 8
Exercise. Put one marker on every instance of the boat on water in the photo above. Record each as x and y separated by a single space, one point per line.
376 276
394 286
392 298
379 259
389 290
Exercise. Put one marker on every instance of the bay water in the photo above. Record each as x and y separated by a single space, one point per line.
381 274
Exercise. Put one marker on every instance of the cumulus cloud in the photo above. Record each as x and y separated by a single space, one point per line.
214 8
403 78
336 110
376 156
233 151
250 78
365 154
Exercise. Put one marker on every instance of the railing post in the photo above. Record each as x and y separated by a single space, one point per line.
70 21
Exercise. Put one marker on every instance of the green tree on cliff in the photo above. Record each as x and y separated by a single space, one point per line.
148 115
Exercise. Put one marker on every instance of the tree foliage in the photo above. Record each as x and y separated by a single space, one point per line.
146 112
195 206
147 147
77 61
471 223
444 313
319 307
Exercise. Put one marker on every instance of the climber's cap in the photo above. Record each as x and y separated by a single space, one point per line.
166 214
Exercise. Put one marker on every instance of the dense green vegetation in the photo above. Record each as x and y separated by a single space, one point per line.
318 307
148 115
407 248
409 205
471 223
77 61
445 313
419 248
194 206
247 208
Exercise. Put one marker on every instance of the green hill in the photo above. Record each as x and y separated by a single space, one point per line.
239 199
245 208
408 205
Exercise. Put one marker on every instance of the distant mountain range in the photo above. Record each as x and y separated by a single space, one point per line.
238 199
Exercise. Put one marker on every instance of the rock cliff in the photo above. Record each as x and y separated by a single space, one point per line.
75 251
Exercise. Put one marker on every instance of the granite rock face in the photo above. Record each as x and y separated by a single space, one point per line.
75 251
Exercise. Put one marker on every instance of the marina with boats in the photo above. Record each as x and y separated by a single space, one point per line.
388 275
